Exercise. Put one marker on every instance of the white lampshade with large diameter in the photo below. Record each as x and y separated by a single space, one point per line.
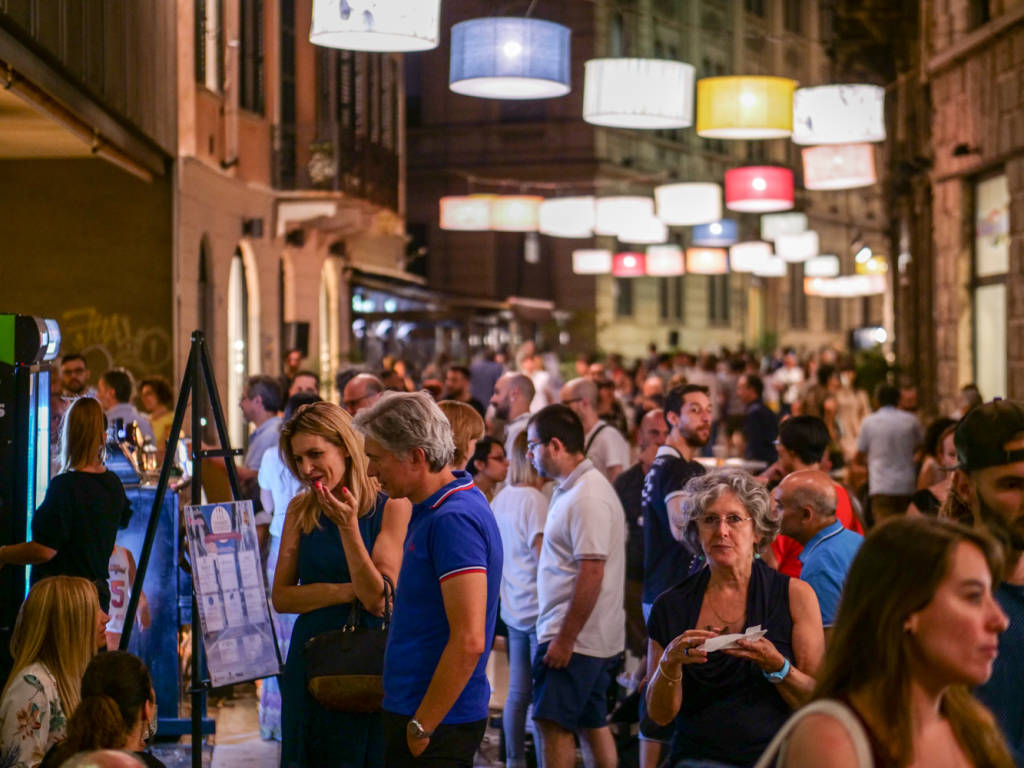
839 114
759 189
707 261
509 58
368 25
845 287
466 213
515 213
567 216
773 267
839 166
799 247
665 261
826 265
687 204
613 214
648 231
591 261
775 224
638 93
749 255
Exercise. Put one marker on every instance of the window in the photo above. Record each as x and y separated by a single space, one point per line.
991 264
833 315
755 7
622 288
793 16
797 297
718 299
209 54
617 36
251 78
286 140
679 305
980 13
663 297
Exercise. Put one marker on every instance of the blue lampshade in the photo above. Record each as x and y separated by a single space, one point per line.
509 58
717 233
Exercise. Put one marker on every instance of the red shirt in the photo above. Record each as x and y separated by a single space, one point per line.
787 551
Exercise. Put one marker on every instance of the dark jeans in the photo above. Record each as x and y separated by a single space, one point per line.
451 746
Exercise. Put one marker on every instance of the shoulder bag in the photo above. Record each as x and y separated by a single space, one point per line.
776 750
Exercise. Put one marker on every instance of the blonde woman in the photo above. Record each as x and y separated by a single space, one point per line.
58 630
340 537
74 529
467 429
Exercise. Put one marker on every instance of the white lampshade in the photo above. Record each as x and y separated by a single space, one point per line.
707 261
391 27
591 261
775 224
638 93
688 204
750 255
515 213
509 57
826 265
839 114
466 213
799 247
773 267
567 216
665 261
613 214
646 230
839 166
848 286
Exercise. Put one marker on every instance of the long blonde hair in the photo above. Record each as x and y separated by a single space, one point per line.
82 434
334 425
56 626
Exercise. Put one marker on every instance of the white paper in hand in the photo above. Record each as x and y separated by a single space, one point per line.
722 642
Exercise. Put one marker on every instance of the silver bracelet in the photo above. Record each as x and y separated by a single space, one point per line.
668 677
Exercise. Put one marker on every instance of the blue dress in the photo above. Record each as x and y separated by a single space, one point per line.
312 735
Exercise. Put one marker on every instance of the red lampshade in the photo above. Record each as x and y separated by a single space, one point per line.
759 189
629 264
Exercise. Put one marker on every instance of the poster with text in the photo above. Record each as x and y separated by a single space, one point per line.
227 574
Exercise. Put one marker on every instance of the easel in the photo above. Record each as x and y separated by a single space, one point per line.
198 371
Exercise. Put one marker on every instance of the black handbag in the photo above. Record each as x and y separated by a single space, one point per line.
345 668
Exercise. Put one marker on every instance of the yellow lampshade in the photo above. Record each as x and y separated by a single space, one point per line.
752 107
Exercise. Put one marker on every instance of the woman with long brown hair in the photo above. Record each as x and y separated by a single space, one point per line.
916 629
341 537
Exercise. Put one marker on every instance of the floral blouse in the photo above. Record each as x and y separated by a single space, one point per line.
31 718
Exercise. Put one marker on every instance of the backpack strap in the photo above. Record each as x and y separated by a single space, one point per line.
593 437
832 708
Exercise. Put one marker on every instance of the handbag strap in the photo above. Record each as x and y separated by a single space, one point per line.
356 608
832 708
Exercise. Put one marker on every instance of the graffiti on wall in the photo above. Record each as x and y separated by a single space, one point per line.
115 340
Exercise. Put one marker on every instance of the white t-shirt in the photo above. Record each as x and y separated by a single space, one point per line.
520 512
585 520
120 588
608 449
541 390
275 477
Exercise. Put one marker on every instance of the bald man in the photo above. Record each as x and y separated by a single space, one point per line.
513 393
807 500
361 392
603 444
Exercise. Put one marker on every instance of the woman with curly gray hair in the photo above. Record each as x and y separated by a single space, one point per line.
728 703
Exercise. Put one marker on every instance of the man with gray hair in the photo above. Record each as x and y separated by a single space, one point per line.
512 396
807 501
436 693
604 445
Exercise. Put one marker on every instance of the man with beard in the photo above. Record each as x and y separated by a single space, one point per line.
511 400
667 561
989 480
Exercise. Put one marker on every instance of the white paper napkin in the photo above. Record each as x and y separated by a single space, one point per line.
722 642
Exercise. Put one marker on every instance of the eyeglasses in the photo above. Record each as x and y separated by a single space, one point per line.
712 522
533 444
350 404
571 400
500 458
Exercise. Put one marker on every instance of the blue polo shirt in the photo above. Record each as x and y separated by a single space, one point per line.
826 560
451 533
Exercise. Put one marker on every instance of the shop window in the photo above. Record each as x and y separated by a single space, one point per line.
991 264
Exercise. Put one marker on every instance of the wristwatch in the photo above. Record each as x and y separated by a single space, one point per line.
416 730
780 675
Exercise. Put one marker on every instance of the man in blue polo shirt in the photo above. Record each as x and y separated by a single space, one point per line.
436 693
807 500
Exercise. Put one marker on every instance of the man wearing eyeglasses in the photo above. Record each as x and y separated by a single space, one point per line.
581 626
361 392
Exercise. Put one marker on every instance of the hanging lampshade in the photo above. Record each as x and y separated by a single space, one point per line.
628 264
875 265
686 204
638 93
749 107
839 166
707 261
591 261
720 233
846 287
515 213
665 261
613 214
392 27
466 213
750 255
773 267
649 229
839 114
758 189
775 224
509 58
826 265
799 247
567 216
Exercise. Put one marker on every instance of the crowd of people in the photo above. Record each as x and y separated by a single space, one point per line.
770 570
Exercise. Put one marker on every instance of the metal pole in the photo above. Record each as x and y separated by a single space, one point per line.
197 359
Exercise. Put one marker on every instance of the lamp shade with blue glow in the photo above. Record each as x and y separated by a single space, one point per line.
718 233
509 58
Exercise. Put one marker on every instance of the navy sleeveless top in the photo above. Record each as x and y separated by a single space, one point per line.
730 712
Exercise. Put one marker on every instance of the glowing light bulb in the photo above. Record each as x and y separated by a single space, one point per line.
759 184
629 261
716 228
748 99
512 48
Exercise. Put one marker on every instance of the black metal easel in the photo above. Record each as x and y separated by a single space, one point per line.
198 371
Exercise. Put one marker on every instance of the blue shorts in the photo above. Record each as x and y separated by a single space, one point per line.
575 696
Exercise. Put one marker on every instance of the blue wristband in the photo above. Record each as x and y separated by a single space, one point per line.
777 677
